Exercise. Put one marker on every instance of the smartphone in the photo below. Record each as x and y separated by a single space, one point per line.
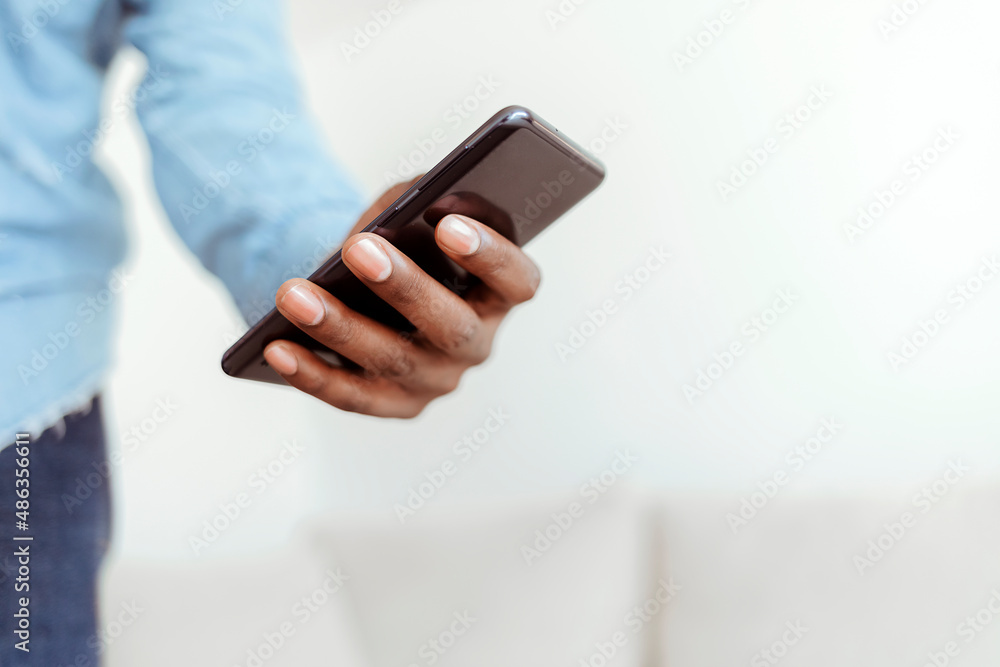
516 174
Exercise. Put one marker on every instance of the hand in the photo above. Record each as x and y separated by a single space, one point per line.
402 372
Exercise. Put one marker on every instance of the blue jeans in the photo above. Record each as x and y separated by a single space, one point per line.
69 521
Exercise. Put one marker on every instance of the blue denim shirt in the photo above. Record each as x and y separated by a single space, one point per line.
237 163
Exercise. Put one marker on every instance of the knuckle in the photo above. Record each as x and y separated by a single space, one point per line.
480 354
495 260
428 314
337 331
313 382
397 365
460 336
354 400
353 404
405 291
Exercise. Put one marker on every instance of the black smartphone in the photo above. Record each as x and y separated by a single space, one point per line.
516 174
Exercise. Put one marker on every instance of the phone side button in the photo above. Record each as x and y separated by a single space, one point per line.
407 199
479 136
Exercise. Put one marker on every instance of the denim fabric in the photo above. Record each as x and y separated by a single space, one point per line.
70 521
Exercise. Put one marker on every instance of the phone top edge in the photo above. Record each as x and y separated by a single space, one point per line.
515 114
570 147
511 115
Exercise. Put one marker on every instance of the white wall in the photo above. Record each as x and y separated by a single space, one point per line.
686 130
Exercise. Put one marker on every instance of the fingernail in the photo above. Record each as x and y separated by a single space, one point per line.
303 305
458 236
368 257
281 360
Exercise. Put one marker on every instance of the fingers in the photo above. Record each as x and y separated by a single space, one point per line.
489 256
444 319
380 350
403 373
339 387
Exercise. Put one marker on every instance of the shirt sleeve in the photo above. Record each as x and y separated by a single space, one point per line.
238 164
